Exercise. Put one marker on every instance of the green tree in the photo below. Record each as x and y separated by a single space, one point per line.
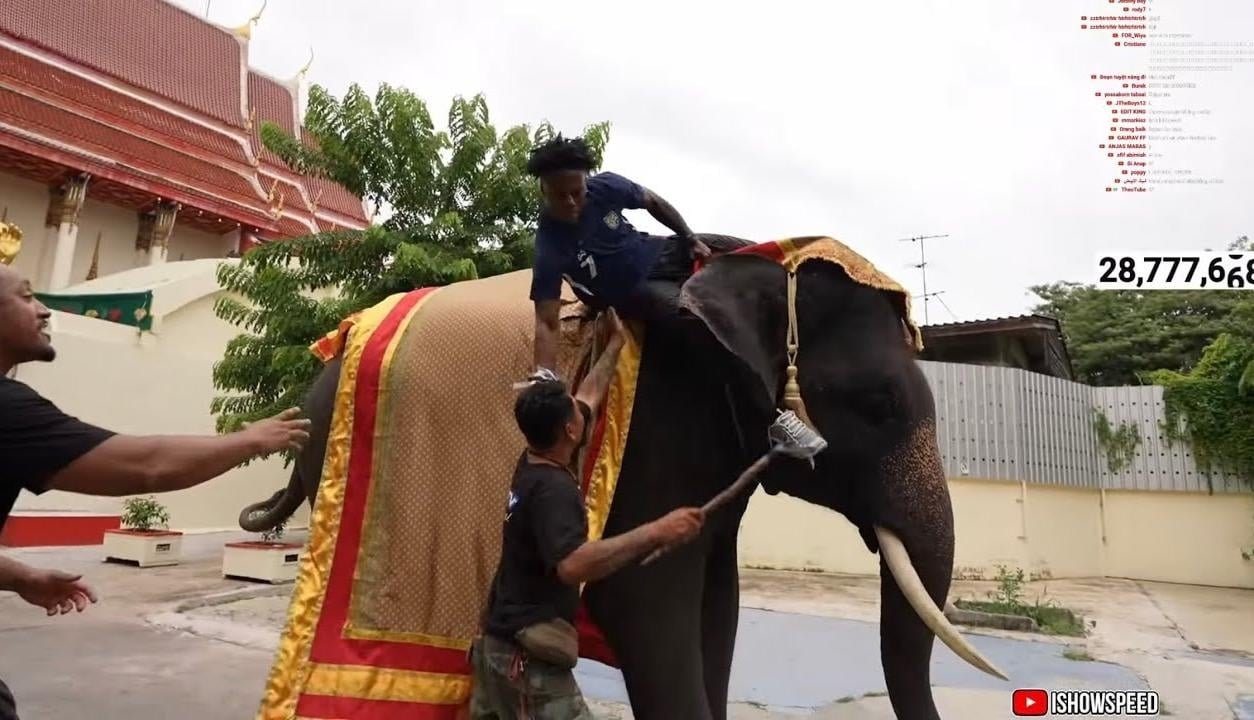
456 204
1115 337
1198 345
1207 407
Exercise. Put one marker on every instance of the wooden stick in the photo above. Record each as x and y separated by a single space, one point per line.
746 478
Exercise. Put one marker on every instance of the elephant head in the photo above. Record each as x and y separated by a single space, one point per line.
863 391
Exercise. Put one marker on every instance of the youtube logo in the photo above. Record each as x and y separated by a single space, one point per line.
1029 702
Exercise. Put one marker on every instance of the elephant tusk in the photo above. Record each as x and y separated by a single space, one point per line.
898 561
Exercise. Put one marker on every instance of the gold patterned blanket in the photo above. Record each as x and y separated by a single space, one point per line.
406 530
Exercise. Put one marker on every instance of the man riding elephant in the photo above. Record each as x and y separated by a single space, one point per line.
583 238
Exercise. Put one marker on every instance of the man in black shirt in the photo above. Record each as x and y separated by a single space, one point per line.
522 663
45 449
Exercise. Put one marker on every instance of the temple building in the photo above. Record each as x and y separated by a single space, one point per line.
130 136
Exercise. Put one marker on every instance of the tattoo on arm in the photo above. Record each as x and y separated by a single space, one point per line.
597 382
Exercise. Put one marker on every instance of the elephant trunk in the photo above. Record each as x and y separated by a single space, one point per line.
906 579
914 533
267 514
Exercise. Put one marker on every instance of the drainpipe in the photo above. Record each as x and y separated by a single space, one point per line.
1101 504
1023 510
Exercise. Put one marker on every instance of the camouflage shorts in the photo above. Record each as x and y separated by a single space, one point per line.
541 691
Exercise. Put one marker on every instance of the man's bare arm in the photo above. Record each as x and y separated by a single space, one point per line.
12 573
666 213
592 561
595 560
597 382
131 465
547 333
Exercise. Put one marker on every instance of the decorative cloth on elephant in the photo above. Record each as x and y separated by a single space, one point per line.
792 252
406 529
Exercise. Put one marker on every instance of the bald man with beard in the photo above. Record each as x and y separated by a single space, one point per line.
45 449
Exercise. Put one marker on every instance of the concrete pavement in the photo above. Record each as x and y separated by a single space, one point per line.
808 646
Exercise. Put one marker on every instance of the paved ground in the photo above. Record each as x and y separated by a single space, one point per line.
162 639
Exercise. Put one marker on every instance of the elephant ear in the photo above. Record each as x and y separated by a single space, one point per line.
741 299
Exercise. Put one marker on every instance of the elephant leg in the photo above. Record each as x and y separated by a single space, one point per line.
905 642
720 615
652 618
662 667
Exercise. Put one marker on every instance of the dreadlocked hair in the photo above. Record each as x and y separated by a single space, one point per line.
560 154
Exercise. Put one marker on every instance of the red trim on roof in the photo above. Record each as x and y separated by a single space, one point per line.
29 76
336 198
269 102
150 44
47 149
53 123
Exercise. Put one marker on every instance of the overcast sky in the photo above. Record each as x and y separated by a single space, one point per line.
867 121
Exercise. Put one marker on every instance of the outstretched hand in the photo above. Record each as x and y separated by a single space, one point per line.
280 432
678 527
55 591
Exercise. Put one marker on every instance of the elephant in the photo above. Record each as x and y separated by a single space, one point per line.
706 394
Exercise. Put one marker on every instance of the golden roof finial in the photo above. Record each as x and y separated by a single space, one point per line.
270 196
303 71
10 240
246 30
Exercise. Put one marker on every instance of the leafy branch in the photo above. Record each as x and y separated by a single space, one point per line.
1205 407
453 204
1118 445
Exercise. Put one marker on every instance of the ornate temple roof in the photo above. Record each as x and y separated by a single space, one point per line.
156 103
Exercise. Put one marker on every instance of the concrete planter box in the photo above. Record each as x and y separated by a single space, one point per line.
272 562
144 548
979 618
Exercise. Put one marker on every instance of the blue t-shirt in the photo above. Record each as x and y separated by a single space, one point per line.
602 256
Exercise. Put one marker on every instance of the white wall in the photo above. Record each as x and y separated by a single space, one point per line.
116 228
188 243
26 203
1048 531
109 375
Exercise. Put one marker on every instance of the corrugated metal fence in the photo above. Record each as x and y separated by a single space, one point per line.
1009 424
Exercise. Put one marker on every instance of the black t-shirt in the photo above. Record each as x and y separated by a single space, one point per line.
37 441
545 521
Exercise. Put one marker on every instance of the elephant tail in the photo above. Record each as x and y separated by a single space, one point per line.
267 514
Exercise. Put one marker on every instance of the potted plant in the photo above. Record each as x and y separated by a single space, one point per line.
144 538
268 560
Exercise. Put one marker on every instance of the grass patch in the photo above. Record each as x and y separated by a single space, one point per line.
873 693
1077 654
1050 618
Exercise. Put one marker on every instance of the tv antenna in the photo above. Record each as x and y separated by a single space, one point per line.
922 266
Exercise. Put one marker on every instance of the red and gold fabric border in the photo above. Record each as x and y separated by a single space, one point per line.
331 344
600 471
318 673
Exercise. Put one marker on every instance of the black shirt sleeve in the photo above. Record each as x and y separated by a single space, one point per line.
37 440
558 520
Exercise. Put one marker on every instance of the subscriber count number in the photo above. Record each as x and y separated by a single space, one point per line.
1165 270
1096 703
